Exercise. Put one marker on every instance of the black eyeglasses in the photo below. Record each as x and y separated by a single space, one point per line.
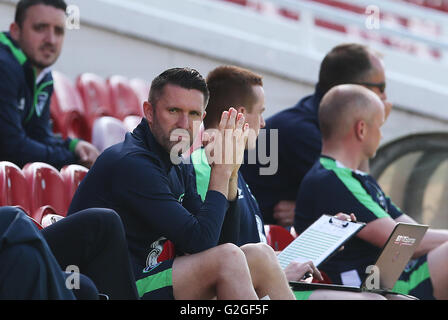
380 86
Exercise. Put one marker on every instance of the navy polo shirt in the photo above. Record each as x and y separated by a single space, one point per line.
330 188
299 146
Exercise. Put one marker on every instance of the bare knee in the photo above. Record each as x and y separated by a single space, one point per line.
259 252
229 257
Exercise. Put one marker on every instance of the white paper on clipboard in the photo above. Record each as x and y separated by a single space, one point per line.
319 241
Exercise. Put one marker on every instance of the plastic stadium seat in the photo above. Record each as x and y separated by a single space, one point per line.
141 89
130 122
48 218
124 100
107 131
72 176
293 232
46 188
325 277
94 93
277 237
13 187
67 109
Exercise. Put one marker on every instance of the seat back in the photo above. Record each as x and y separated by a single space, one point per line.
94 93
141 89
13 187
107 131
72 176
45 187
124 100
131 122
277 237
67 109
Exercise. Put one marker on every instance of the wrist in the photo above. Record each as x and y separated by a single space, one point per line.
222 171
72 145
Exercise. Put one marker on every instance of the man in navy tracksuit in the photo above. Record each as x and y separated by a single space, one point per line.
299 137
27 51
143 180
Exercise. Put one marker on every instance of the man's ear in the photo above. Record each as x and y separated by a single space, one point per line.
14 31
203 115
148 111
360 130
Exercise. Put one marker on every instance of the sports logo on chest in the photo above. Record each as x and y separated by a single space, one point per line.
41 101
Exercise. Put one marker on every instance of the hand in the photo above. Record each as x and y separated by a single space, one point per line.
87 153
226 145
284 212
295 271
345 217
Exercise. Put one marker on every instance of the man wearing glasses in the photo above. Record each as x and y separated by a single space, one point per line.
299 136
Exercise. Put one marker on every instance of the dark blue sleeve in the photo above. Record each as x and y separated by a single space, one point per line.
148 195
332 194
15 145
393 210
193 203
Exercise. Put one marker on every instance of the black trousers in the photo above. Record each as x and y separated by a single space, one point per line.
93 240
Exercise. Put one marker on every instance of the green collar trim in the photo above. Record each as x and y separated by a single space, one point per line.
17 53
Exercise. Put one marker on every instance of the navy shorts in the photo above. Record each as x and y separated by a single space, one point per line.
156 282
416 280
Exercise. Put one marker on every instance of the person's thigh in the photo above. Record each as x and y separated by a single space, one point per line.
437 262
220 272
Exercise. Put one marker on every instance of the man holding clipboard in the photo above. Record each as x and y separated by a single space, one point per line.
350 119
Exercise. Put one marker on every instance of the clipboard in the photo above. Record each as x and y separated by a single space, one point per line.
320 241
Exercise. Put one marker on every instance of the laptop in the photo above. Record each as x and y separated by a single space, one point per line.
396 253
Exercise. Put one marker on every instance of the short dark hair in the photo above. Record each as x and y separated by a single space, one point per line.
344 64
229 86
23 5
183 77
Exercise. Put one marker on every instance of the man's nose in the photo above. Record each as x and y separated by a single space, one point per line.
183 121
51 36
262 123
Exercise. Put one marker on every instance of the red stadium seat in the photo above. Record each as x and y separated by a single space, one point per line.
107 131
67 109
124 100
141 89
94 93
72 176
13 187
130 122
277 237
46 188
49 216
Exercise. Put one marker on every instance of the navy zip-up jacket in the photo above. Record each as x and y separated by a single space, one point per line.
25 127
299 146
246 218
20 240
155 199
